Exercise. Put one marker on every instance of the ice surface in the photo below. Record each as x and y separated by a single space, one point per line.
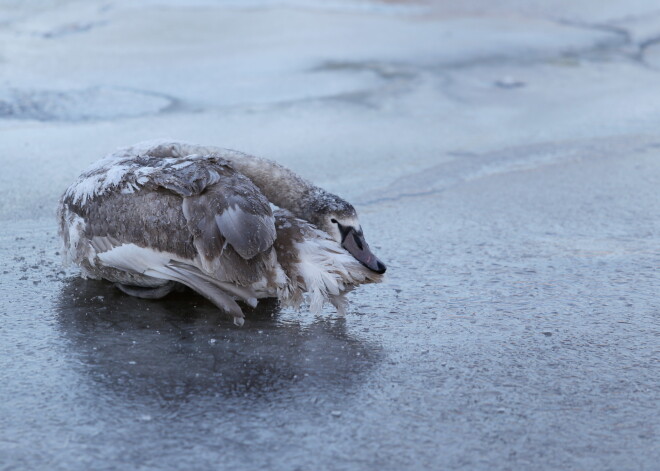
78 105
505 161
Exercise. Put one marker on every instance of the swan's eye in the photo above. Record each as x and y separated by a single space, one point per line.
334 221
358 242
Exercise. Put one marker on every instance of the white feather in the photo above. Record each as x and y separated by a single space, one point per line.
130 257
325 268
75 230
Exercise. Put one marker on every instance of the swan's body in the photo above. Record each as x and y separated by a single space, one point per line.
152 216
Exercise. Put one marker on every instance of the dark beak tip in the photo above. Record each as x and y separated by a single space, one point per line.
355 244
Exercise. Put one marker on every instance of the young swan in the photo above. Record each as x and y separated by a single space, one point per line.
153 216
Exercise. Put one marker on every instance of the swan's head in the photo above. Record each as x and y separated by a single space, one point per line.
339 219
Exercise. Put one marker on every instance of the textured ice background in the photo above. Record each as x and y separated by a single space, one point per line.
505 161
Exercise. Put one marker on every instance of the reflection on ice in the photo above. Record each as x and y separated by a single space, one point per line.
181 346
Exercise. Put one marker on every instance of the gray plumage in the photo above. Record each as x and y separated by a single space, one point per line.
151 216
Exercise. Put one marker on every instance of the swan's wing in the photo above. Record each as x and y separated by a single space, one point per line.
220 204
230 220
145 261
196 209
222 215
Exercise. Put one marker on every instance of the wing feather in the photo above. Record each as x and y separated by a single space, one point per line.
145 261
220 205
195 206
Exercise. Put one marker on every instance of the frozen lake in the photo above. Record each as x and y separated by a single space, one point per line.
505 162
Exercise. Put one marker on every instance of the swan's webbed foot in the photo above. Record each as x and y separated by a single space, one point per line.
147 293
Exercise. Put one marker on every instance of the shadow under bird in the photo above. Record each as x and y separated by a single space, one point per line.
155 216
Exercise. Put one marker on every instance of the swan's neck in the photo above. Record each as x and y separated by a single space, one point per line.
285 188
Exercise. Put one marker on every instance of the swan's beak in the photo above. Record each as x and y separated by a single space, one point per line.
356 245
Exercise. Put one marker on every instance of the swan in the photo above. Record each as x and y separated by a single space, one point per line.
230 226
